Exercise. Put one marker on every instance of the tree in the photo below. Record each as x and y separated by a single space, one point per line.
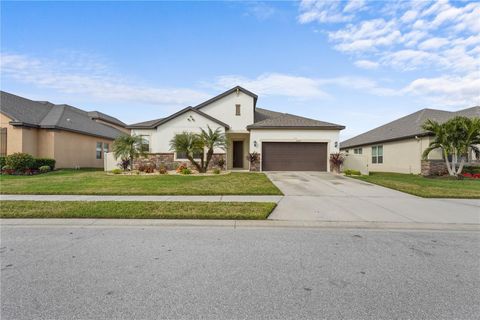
193 143
128 147
455 138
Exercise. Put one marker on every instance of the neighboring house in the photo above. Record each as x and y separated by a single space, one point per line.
73 137
398 146
284 141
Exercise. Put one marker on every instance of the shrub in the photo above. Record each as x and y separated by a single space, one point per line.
186 171
8 170
117 171
44 169
162 170
2 162
181 167
253 157
124 164
220 163
147 167
20 161
41 162
350 172
216 171
471 169
336 160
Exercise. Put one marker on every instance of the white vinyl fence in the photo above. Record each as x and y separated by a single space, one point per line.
356 162
109 161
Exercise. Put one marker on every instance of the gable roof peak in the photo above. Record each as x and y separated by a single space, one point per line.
226 93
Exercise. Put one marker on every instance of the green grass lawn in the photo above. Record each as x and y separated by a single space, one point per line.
136 210
100 183
435 187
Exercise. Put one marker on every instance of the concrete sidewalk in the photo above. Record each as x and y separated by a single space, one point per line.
21 197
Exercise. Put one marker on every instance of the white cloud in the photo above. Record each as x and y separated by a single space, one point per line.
354 5
322 11
260 10
366 64
77 75
439 38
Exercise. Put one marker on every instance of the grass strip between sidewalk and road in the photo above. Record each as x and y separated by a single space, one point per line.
427 187
136 210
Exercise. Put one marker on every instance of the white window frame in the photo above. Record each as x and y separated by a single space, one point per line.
376 154
175 158
146 137
99 149
358 151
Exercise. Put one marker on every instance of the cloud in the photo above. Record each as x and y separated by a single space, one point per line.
80 75
366 64
260 10
439 38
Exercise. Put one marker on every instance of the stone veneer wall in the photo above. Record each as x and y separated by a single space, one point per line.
167 160
433 167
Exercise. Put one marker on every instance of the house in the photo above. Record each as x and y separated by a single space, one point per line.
398 146
71 136
284 141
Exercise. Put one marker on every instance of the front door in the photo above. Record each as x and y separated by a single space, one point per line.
238 154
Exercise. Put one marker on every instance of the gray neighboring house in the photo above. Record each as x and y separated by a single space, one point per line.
398 146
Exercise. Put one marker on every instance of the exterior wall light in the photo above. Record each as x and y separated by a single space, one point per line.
255 143
336 144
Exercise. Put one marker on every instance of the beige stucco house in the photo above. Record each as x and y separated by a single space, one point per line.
73 137
398 146
284 141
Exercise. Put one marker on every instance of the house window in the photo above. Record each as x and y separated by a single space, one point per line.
145 146
3 142
99 150
377 154
105 147
237 109
183 155
357 151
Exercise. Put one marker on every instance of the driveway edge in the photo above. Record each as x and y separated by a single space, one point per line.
235 224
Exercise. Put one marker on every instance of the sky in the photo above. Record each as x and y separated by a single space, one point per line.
356 63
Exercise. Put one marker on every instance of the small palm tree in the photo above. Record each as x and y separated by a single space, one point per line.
193 143
128 147
212 139
190 144
455 138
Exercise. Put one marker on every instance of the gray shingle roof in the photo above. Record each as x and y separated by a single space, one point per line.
25 112
406 127
266 119
226 93
155 123
105 117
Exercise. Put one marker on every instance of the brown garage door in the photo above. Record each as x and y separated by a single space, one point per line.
294 156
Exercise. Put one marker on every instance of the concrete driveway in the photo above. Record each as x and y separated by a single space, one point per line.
327 197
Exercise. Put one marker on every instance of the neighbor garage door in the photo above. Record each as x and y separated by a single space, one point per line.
294 156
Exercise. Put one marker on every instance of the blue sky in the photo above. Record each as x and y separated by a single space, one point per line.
357 63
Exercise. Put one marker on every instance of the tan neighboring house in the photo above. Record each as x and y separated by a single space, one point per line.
73 137
398 146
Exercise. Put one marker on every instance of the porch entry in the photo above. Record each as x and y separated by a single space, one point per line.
238 154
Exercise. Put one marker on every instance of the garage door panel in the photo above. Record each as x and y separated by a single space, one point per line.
294 156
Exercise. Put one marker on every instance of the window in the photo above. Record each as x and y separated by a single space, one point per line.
99 150
145 146
183 155
105 147
357 151
3 142
237 109
377 154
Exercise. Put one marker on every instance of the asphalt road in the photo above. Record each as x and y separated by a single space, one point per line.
224 273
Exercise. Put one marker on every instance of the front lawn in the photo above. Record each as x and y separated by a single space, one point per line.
90 182
136 210
435 187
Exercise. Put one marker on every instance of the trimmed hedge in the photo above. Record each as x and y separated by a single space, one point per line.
2 162
471 169
41 162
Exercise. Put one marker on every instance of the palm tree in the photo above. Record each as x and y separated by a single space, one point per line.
455 138
193 143
128 147
212 140
190 144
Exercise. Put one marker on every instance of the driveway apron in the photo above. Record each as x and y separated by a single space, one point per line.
327 197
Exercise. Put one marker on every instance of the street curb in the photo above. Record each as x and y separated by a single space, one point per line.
235 224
